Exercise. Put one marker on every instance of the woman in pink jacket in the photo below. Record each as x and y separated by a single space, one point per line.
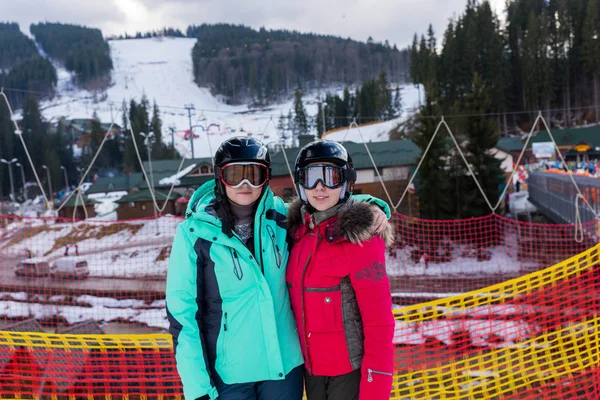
337 279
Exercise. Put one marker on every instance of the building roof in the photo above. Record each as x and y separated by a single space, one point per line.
85 124
571 137
144 195
171 166
195 180
123 183
86 200
510 144
386 154
565 139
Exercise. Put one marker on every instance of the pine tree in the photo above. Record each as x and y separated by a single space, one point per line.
301 122
397 102
8 145
319 121
61 143
282 125
415 68
346 117
482 136
590 50
558 37
490 64
138 116
432 59
369 101
434 190
96 136
158 147
291 125
34 133
448 85
384 104
424 68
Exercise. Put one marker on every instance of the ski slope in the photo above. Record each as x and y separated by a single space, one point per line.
161 68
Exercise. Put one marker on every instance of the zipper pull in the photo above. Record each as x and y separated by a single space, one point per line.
225 324
369 376
235 253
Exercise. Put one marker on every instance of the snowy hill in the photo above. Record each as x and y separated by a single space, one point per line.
161 68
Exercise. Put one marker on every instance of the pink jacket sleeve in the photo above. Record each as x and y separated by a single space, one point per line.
370 282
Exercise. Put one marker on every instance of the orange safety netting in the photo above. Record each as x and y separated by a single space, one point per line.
486 308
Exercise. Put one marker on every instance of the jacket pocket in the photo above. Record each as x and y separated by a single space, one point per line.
237 265
324 309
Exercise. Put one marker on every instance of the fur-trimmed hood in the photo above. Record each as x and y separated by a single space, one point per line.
353 224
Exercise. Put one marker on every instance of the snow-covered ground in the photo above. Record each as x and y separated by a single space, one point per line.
134 248
463 263
161 68
483 332
85 307
130 249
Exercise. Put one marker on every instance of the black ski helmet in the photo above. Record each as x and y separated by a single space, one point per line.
236 149
239 149
325 151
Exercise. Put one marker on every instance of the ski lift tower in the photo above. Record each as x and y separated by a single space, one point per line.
189 108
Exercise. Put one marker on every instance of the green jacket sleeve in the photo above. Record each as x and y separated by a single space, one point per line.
184 310
374 201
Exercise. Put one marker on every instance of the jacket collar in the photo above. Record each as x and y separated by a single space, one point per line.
353 223
203 203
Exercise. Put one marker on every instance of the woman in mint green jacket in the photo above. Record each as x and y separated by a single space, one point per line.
227 301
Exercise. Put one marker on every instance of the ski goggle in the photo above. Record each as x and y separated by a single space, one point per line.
235 175
330 176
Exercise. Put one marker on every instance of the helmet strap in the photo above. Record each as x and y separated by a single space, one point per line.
302 194
343 192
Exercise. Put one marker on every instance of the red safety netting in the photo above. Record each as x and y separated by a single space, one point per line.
485 308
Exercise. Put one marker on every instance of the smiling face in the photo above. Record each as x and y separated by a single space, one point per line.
244 195
321 197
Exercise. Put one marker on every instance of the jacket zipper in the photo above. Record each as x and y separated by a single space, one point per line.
372 371
225 340
275 247
262 262
302 286
309 367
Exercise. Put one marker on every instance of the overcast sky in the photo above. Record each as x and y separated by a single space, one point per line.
394 20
